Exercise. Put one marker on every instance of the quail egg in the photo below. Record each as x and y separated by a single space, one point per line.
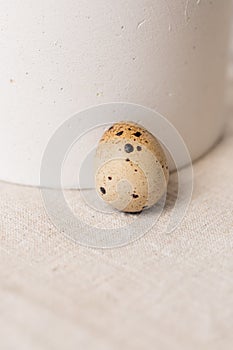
131 169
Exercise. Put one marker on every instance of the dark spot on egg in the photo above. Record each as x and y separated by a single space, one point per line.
119 133
129 148
135 196
110 178
102 189
127 160
139 148
137 134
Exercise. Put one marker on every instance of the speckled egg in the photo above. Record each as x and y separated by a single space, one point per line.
131 170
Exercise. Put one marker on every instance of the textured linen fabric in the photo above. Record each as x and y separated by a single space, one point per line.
160 292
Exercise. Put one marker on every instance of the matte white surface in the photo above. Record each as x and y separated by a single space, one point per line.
60 57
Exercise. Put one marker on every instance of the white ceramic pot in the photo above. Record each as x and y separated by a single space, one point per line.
60 57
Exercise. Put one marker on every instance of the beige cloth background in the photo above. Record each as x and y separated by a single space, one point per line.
161 292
